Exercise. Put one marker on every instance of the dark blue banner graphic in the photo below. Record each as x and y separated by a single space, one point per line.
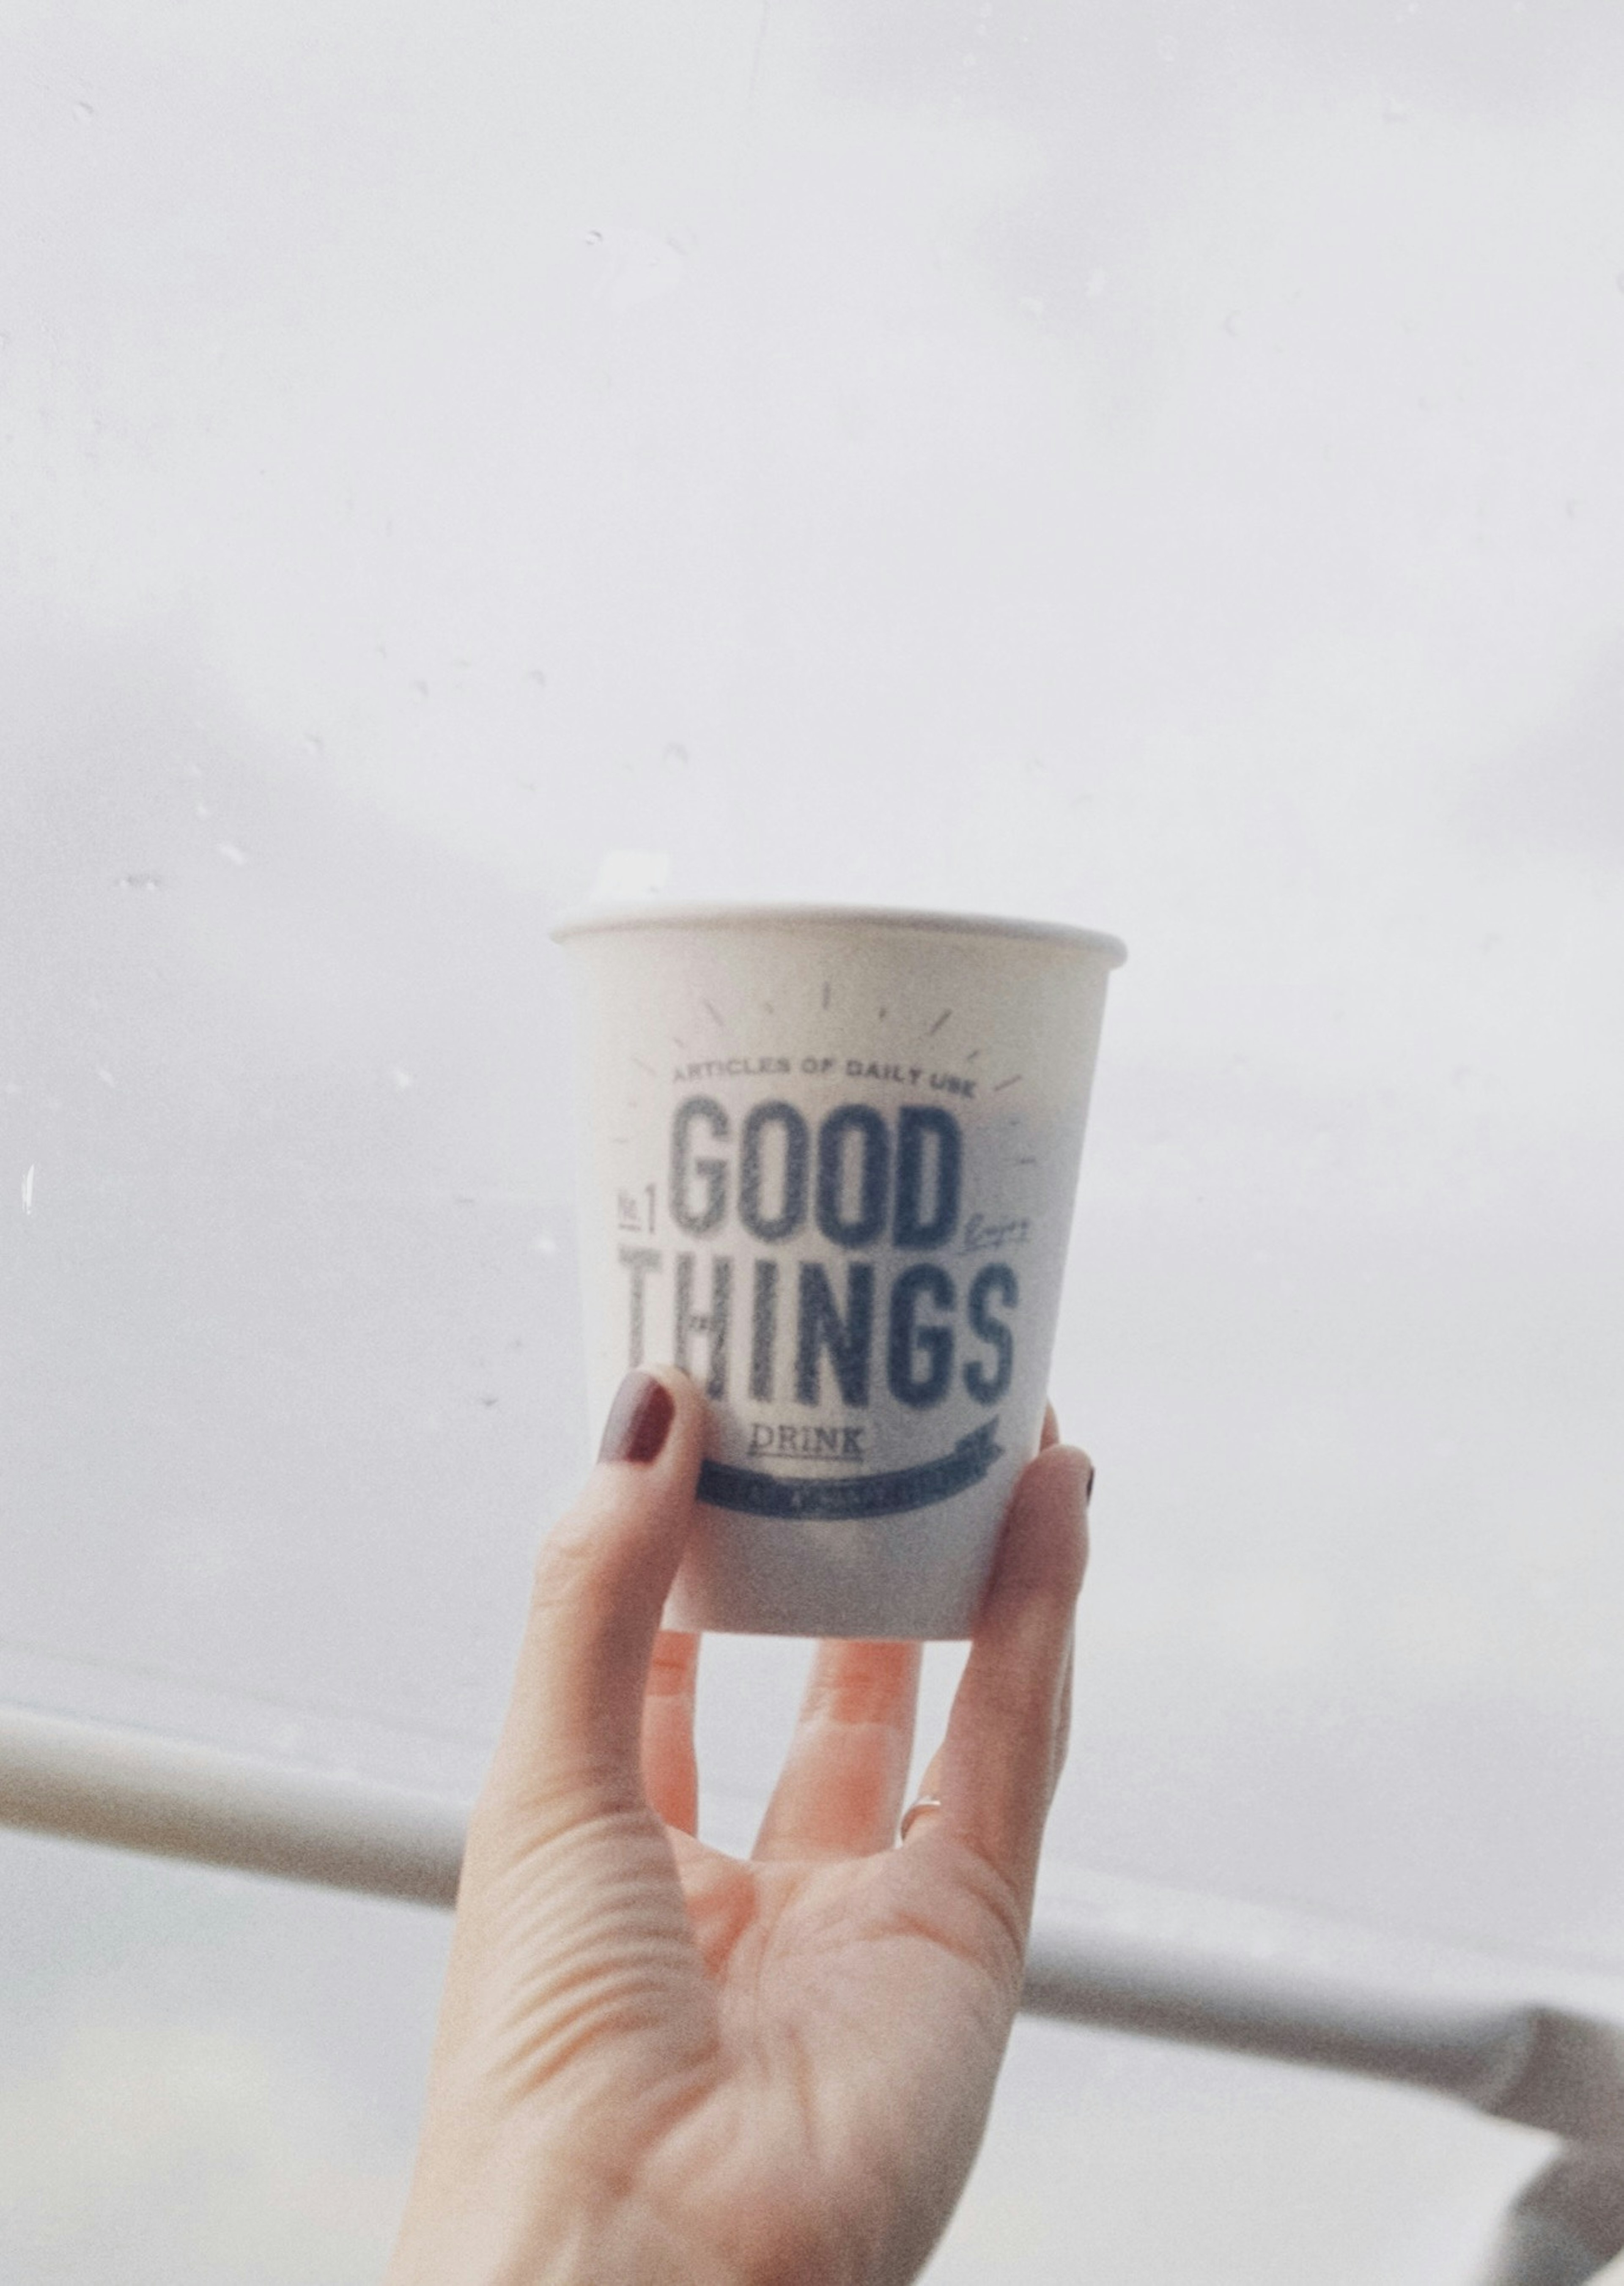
752 1492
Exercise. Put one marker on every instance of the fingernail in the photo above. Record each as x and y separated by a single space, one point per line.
638 1420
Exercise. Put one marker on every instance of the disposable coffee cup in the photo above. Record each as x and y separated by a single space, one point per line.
828 1161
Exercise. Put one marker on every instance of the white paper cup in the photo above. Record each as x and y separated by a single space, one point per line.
828 1159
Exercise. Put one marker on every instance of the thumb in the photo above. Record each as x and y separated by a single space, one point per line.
571 1736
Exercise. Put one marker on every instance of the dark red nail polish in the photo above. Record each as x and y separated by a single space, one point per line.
638 1420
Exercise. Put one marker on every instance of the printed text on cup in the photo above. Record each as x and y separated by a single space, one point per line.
861 1181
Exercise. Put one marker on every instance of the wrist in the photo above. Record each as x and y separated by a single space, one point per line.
630 2253
557 2241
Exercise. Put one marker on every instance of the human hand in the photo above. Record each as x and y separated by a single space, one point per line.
659 2063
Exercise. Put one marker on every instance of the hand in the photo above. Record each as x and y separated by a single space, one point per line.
658 2063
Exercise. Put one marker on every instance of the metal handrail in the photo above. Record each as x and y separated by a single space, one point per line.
175 1798
1544 2066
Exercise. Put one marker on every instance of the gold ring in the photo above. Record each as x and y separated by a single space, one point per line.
920 1802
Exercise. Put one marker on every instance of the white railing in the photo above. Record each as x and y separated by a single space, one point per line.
1544 2065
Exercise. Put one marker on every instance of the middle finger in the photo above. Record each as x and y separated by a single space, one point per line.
670 1773
842 1782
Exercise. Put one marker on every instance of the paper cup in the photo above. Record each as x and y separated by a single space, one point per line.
827 1168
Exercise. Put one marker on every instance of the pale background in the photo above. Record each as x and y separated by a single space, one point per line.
1149 465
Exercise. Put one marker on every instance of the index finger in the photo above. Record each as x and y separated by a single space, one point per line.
573 1734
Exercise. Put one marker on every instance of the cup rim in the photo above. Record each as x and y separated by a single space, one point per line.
585 920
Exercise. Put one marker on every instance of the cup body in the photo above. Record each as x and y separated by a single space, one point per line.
828 1161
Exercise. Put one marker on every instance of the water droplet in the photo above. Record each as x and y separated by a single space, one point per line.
594 237
231 852
624 875
82 112
104 1077
139 881
546 1243
537 676
401 1077
639 266
422 688
675 757
27 1192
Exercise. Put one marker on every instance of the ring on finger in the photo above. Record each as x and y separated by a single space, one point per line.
915 1809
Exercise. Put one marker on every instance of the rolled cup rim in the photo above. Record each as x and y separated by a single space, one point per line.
585 920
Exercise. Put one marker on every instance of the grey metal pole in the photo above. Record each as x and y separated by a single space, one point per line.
1541 2066
170 1798
1565 2227
1544 2067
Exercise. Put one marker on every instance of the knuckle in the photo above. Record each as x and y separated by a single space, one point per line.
1004 1914
522 1815
568 1573
1057 1766
1077 1563
671 1666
